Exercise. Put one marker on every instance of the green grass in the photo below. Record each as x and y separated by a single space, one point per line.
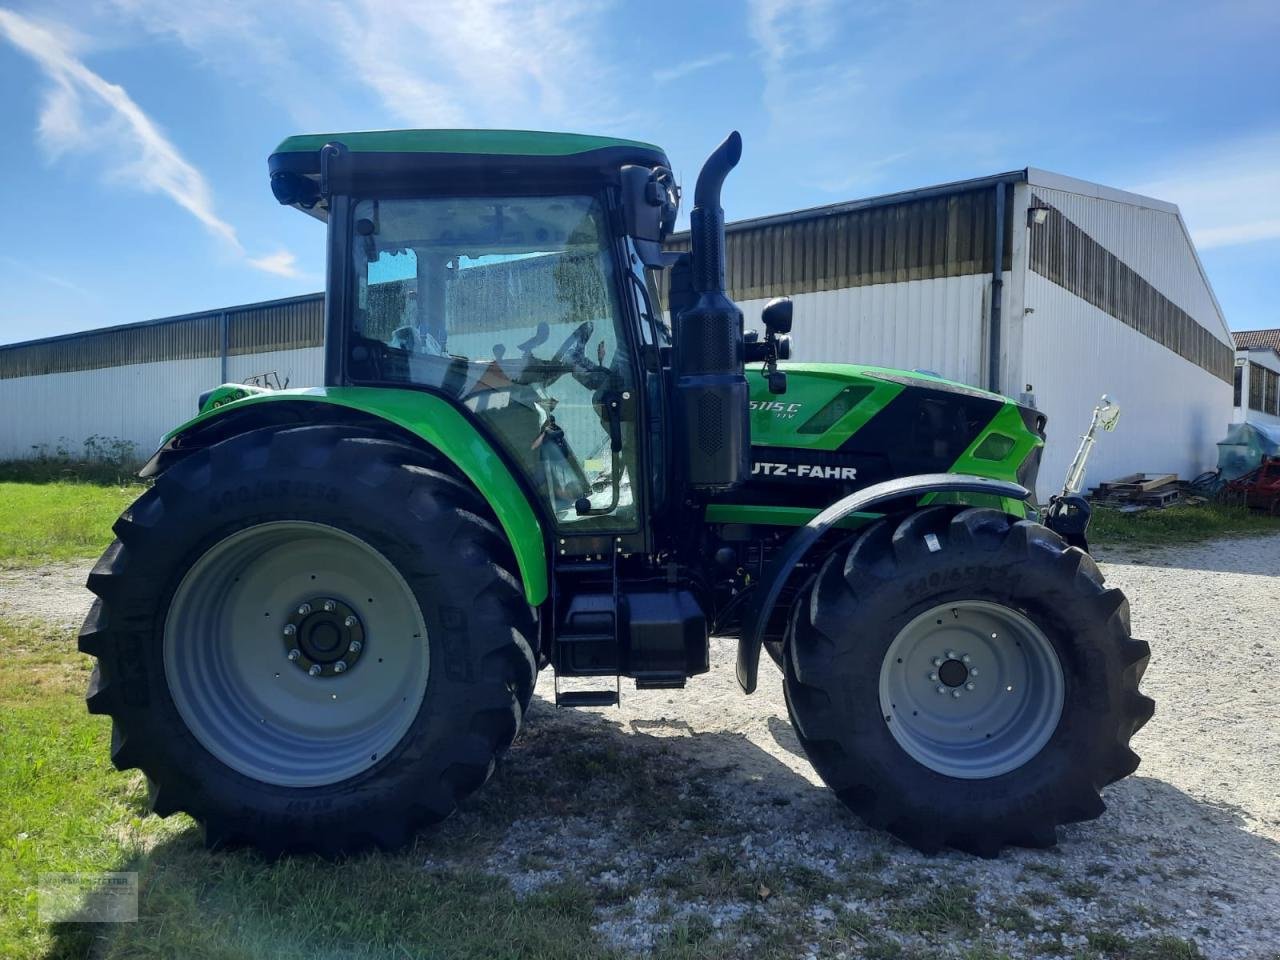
41 522
66 809
1179 524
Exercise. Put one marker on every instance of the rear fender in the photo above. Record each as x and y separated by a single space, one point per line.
414 417
783 564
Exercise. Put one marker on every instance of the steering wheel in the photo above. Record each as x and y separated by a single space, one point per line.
575 346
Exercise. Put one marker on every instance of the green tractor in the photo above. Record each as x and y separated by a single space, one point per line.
320 628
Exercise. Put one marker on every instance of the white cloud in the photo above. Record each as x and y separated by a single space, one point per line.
1228 194
1237 233
64 124
82 111
26 269
784 28
679 70
448 63
282 263
479 62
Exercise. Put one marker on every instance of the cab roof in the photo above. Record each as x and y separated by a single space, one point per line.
422 161
528 143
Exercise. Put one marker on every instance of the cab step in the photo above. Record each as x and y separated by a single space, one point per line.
671 681
587 698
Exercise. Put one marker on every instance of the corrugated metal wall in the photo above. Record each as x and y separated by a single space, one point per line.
1114 302
1172 411
291 324
936 325
136 382
899 284
1067 253
136 402
882 243
1149 240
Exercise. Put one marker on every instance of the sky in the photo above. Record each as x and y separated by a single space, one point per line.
134 133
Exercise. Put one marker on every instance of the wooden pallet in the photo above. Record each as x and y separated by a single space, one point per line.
1139 490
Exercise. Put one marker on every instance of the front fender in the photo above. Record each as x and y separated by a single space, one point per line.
427 417
779 569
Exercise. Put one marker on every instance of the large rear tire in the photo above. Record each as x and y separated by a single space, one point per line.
962 678
309 641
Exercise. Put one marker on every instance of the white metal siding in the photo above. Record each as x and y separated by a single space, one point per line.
1151 242
137 402
302 368
934 325
1173 412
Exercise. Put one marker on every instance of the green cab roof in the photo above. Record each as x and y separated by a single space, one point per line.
414 160
526 143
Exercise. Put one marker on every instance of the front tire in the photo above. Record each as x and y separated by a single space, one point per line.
962 678
309 641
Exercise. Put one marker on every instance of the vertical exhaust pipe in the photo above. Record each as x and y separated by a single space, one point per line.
711 389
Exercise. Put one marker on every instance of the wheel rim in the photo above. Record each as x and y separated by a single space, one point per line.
276 683
971 689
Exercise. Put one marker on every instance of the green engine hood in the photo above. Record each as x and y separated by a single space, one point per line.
841 427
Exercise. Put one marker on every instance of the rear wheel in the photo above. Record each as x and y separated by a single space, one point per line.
309 640
963 678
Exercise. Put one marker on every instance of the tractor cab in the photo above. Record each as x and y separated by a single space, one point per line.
506 271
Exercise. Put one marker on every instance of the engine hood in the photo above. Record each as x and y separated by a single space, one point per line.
827 403
840 427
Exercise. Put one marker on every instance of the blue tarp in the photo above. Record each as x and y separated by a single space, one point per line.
1245 446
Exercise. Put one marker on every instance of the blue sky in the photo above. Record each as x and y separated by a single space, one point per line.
135 132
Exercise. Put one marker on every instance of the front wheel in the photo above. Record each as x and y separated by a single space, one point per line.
962 678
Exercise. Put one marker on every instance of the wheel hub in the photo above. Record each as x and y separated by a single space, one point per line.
971 689
953 673
258 597
323 637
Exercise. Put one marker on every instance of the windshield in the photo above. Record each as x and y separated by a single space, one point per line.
510 305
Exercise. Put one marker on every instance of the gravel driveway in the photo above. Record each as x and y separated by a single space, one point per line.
693 814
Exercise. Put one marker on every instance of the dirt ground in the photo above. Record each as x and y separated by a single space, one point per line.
696 807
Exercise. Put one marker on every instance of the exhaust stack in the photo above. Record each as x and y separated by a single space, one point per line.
711 389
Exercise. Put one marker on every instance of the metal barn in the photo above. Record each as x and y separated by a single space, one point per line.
1096 291
135 382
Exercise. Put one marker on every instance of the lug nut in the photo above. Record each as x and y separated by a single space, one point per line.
290 629
349 622
951 655
956 694
965 658
315 670
356 646
970 685
340 666
304 609
295 653
330 606
941 688
973 671
937 661
933 676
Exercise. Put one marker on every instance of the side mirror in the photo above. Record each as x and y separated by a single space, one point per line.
777 315
776 344
650 200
